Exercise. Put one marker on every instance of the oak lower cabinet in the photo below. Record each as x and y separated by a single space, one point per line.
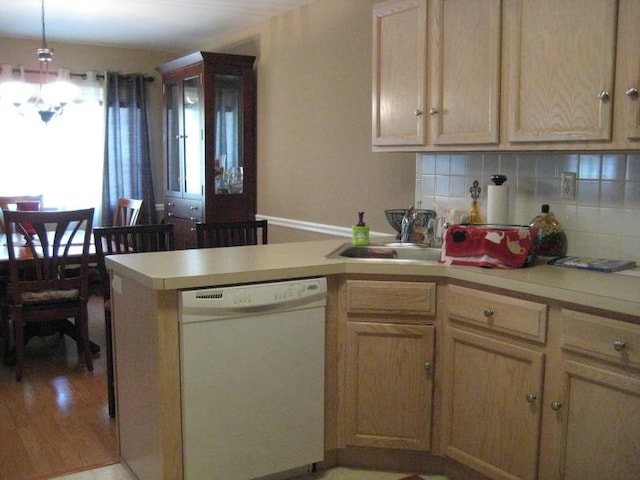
597 408
389 363
493 382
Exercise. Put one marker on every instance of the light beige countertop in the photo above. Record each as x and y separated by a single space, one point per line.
186 269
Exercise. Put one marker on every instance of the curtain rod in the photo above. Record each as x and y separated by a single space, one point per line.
81 75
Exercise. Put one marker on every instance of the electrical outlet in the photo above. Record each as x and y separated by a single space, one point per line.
568 185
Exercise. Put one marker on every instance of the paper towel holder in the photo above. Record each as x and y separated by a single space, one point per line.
498 179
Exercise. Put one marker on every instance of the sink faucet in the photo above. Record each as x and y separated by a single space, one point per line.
406 227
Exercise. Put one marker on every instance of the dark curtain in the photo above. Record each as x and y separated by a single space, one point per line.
128 169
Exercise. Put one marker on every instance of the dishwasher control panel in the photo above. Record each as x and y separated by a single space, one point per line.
236 299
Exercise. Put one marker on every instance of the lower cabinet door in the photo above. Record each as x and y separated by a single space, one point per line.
184 233
601 413
492 405
389 385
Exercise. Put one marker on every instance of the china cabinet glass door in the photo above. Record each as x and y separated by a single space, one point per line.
228 134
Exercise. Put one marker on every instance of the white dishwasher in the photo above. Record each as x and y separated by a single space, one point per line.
252 367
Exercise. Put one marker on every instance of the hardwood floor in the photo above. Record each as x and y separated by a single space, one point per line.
56 421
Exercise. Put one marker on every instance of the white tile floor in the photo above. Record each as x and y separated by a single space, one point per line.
118 472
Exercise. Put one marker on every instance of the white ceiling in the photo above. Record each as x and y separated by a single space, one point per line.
172 25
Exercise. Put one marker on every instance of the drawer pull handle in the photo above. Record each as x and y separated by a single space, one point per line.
555 406
193 207
488 312
619 345
632 92
531 397
169 214
428 367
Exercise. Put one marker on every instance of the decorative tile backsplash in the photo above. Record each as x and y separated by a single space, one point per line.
603 219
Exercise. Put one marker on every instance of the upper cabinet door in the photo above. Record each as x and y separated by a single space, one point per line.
561 70
399 72
628 93
464 103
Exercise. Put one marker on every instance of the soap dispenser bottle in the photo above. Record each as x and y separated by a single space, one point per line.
360 232
550 241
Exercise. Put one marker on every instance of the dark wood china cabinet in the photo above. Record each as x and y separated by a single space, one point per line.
209 123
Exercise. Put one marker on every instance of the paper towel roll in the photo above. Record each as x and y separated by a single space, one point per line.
498 204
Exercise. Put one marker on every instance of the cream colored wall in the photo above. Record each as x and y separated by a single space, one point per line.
79 58
314 118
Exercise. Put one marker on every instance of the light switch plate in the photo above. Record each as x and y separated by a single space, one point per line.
568 185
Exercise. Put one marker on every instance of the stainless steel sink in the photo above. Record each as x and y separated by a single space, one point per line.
388 251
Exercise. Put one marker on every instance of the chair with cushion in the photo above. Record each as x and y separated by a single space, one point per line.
127 212
43 292
117 241
231 234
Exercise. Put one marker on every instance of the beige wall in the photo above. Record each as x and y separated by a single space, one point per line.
315 162
79 58
314 118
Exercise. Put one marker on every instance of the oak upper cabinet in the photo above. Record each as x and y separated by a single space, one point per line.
464 72
597 410
560 59
389 363
627 96
493 382
209 123
436 72
399 72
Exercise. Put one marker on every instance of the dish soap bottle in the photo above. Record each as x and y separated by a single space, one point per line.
551 240
360 232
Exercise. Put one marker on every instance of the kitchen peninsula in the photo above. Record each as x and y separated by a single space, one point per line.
556 315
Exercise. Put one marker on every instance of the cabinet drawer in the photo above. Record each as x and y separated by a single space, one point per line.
407 298
500 313
601 337
183 208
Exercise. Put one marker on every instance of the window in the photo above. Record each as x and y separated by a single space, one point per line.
63 160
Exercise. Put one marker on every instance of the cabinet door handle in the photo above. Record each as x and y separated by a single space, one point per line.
433 111
619 345
531 397
169 214
193 207
488 312
428 367
418 113
555 406
632 92
604 96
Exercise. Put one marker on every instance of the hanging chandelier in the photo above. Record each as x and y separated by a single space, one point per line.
51 97
48 105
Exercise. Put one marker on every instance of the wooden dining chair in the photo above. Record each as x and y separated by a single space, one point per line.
231 234
6 203
43 291
127 212
118 241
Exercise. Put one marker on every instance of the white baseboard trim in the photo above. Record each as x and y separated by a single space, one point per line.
314 227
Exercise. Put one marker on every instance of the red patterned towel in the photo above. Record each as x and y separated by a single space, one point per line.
487 246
